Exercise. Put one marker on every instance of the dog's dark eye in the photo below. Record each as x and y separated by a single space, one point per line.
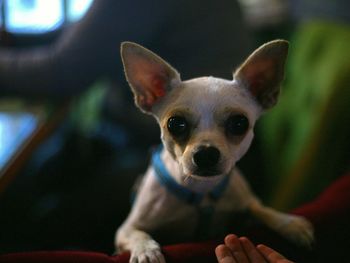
178 126
237 124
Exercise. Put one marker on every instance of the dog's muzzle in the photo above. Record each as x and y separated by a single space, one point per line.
206 160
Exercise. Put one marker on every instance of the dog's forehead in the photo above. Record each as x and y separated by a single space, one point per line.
210 94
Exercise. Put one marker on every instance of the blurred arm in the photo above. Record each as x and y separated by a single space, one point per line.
85 51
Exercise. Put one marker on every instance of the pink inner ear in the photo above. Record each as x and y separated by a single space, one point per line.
259 75
158 85
150 80
149 96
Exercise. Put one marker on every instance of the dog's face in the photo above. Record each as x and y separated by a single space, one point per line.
206 123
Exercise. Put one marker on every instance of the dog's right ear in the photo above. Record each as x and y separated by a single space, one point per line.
149 76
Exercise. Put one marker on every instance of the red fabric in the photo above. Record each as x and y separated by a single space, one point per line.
201 252
332 203
330 214
57 257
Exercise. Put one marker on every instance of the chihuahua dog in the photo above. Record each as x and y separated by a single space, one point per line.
206 127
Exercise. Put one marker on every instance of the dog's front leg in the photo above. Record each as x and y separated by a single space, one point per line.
295 228
143 249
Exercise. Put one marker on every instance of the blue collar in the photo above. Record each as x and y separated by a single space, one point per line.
178 190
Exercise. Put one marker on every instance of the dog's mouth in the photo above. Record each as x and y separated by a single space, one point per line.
207 173
202 183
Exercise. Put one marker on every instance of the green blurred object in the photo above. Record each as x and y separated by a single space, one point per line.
86 108
306 137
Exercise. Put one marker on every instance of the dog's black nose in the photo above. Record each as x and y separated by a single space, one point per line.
206 157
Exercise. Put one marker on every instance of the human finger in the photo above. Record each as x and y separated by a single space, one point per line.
251 251
236 248
224 255
271 255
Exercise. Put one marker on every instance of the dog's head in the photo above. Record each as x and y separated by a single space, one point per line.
206 123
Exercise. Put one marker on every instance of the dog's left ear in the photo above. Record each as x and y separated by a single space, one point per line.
149 76
263 72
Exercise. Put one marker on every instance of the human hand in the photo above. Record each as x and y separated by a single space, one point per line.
242 250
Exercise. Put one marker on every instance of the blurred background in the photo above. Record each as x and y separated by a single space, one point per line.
72 142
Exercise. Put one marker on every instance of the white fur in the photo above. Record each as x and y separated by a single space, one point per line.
207 102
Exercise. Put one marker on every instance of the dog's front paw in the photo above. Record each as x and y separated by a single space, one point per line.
297 229
147 252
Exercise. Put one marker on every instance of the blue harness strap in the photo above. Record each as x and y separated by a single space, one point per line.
181 192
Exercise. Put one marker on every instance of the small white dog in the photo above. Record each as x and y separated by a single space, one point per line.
206 127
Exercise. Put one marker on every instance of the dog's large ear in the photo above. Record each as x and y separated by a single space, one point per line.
149 76
263 72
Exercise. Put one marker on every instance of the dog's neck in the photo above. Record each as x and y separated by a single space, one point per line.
194 183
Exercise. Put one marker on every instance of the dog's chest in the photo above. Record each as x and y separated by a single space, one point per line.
182 221
165 215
